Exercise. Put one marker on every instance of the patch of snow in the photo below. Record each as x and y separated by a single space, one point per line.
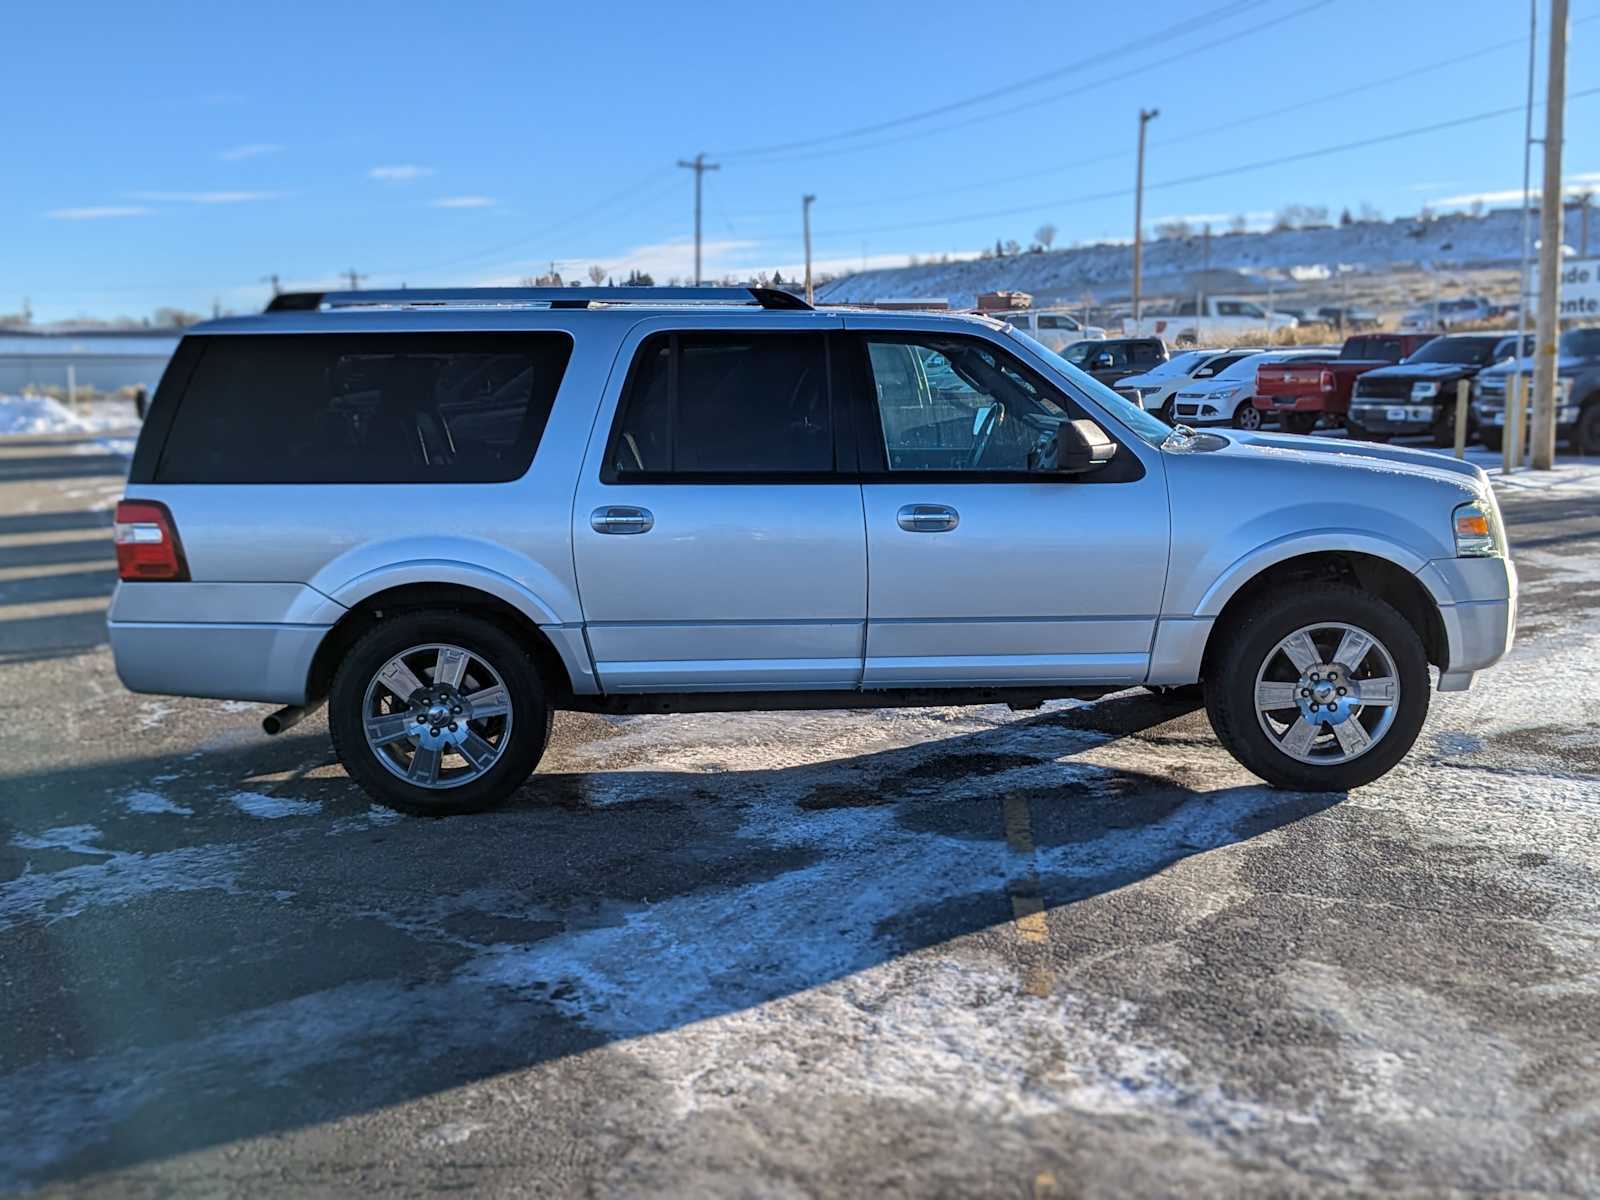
272 808
33 415
153 802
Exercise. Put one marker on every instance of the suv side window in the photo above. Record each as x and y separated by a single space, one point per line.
1145 354
1054 321
724 404
957 404
362 408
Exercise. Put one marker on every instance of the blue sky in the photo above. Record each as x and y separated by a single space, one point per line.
178 154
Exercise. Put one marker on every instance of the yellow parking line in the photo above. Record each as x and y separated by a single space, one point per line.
10 574
1027 904
53 608
46 537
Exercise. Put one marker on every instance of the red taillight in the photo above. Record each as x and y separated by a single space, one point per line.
1327 381
147 543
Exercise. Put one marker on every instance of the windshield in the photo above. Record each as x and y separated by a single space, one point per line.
1148 426
1456 350
1581 343
1183 364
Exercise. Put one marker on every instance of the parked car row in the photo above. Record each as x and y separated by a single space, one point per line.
1378 386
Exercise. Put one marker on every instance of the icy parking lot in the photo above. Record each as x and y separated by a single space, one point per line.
940 951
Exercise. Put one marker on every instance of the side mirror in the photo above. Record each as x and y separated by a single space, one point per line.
1102 361
1076 448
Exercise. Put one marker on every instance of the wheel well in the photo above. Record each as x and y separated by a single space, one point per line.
413 596
1379 576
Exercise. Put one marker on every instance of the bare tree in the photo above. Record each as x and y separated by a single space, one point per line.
1045 235
1177 228
597 275
1239 224
1013 247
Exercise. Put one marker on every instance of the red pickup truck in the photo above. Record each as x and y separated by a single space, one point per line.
1303 391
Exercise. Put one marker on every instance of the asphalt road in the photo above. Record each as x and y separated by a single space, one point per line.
933 952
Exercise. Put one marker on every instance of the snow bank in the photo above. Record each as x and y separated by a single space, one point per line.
24 415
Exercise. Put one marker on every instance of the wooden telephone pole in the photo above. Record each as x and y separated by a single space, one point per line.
1146 115
699 166
1548 331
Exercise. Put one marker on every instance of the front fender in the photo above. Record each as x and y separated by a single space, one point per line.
1318 541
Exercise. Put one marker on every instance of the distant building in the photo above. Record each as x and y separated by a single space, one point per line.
101 361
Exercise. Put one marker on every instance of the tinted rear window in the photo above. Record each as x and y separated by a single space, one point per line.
363 408
710 404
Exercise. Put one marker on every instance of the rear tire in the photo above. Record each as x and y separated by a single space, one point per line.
451 761
1301 423
1586 437
1252 660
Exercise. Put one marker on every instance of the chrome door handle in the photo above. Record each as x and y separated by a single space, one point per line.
927 518
621 518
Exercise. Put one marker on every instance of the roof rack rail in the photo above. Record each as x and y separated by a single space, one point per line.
551 297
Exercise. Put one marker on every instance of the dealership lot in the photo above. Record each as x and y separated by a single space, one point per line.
1071 951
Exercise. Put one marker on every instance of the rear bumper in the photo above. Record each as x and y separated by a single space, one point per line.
269 663
1281 404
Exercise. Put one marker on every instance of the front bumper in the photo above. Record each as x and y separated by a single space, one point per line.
1477 599
1399 417
1494 416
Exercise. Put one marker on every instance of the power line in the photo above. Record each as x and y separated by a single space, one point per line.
1200 177
1188 25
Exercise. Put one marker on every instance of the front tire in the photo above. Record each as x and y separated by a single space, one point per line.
438 712
1492 439
1247 416
1319 691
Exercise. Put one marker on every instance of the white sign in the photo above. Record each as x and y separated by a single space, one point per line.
1580 288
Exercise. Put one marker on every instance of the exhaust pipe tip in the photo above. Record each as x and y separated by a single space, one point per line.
287 717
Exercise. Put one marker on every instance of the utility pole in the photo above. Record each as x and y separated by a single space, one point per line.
699 166
1527 185
805 220
1146 115
1543 436
273 280
355 278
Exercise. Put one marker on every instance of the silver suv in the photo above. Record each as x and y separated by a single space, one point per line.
449 513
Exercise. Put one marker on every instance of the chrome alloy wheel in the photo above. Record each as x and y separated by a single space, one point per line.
1249 417
1327 693
437 716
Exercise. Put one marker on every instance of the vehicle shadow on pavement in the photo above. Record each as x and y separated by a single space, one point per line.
236 944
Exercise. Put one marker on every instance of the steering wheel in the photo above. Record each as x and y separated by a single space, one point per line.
991 419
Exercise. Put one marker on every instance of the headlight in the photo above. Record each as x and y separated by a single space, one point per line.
1225 393
1424 391
1477 531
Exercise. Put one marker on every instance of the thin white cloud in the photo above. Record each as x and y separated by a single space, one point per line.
463 202
399 173
1574 185
249 150
99 212
206 197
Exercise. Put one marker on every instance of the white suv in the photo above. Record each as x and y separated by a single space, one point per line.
1056 328
450 513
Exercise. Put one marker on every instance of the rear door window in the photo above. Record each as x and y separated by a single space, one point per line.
363 408
725 405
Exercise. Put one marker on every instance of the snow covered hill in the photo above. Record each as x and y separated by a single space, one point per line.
1457 241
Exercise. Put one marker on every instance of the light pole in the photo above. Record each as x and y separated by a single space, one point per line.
1548 330
805 220
1146 115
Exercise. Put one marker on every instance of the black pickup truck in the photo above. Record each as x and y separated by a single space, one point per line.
1418 395
1577 392
1111 359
